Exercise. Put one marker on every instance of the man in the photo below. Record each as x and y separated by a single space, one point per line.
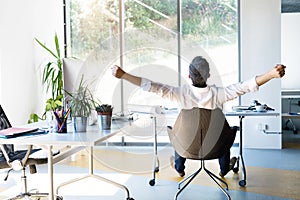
199 94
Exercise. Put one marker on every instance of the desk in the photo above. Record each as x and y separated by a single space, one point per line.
77 141
289 118
241 116
290 94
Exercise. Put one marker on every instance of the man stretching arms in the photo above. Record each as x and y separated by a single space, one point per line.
201 95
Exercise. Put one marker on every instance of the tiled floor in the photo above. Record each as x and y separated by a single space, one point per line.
271 175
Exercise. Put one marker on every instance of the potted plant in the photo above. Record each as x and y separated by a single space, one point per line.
104 112
81 103
52 79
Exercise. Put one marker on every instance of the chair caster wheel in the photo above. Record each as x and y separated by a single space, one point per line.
242 183
59 198
152 182
130 198
235 170
156 169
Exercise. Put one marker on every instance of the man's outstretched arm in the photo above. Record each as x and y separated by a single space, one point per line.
277 72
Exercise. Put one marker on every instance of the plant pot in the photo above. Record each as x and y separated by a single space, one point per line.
104 120
79 124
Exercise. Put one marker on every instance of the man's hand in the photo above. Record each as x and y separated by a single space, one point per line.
278 71
117 71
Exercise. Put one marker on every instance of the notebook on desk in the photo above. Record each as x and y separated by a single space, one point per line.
7 131
16 132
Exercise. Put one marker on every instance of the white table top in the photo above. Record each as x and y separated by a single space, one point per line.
251 113
92 137
288 115
290 93
290 96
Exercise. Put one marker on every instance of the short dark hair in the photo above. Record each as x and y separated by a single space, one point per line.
199 71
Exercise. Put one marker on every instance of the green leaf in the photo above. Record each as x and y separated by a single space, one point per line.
58 103
33 118
57 46
46 48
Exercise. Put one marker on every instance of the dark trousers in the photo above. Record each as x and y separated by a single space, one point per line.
223 162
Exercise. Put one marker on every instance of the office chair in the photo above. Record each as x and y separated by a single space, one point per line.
19 160
201 134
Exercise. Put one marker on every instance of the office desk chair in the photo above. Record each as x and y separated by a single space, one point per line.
201 134
19 160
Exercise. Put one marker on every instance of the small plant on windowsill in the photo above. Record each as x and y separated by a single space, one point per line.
104 112
104 108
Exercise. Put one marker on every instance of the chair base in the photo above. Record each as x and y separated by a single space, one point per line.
33 196
190 178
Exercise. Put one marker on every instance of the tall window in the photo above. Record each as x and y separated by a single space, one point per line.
159 38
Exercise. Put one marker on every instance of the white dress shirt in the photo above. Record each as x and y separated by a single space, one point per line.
210 97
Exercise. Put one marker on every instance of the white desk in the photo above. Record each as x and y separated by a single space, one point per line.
77 141
242 115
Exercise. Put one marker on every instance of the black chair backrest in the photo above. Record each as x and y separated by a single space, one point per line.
201 134
4 124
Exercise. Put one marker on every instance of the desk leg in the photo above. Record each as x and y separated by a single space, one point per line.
92 175
50 172
242 182
155 156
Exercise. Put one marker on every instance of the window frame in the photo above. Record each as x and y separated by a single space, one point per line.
121 39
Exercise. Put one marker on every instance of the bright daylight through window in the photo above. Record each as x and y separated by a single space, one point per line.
154 39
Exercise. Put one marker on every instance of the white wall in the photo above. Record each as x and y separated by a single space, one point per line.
260 51
290 48
20 57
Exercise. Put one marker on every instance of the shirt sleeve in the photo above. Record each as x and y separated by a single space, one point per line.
145 84
235 90
163 90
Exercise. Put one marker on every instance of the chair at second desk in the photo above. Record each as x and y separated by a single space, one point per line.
202 134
